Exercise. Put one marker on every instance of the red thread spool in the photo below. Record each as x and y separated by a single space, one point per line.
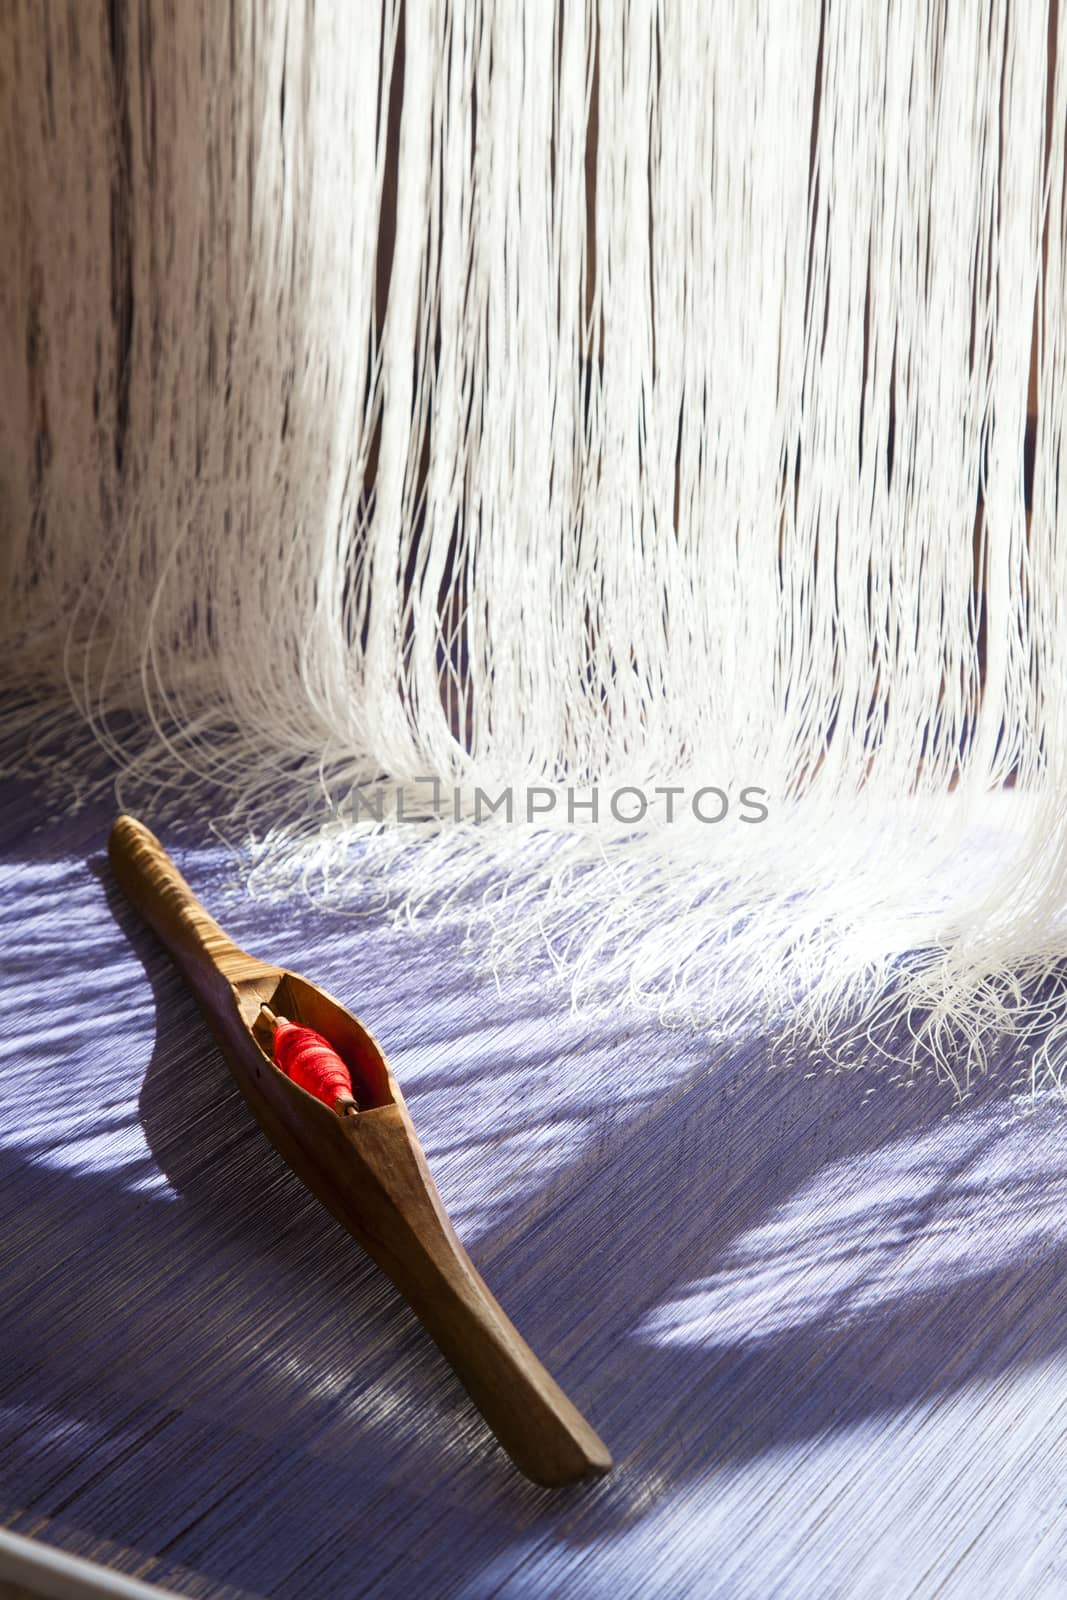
310 1061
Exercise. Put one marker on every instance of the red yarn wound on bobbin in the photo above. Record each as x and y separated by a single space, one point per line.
304 1056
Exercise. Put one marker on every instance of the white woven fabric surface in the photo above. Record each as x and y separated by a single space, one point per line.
821 1321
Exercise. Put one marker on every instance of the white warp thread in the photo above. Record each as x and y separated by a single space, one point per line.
658 421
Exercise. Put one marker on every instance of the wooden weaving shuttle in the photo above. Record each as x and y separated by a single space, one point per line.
368 1169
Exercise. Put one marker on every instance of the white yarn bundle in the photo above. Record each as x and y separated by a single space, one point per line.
555 397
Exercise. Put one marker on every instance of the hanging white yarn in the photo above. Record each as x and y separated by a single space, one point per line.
631 433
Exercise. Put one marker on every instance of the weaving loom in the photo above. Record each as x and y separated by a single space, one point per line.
575 490
821 1318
